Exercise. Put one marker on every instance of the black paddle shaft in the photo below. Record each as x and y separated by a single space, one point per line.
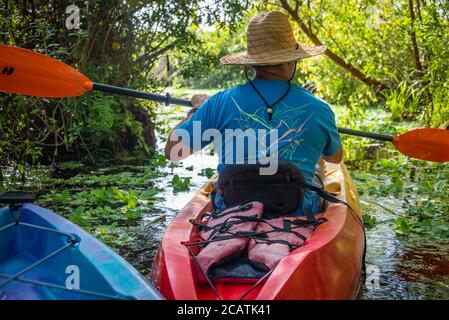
167 100
370 135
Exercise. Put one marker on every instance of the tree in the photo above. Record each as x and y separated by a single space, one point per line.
306 27
119 43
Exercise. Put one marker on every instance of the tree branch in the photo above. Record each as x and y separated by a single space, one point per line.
377 85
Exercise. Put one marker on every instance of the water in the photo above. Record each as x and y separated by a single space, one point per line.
411 267
173 202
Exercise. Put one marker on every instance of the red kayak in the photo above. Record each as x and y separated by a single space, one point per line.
328 266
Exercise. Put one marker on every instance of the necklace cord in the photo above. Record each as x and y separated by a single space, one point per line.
270 106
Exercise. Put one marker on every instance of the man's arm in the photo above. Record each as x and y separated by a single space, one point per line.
337 157
174 151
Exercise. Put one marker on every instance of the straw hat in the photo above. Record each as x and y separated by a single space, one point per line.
270 41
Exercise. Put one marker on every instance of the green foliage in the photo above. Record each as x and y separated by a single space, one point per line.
207 172
70 165
402 226
413 194
103 109
120 43
204 70
376 38
403 100
369 221
107 204
180 184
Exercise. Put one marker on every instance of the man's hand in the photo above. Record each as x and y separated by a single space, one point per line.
198 100
336 158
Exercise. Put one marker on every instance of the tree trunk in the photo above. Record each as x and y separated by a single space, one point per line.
416 55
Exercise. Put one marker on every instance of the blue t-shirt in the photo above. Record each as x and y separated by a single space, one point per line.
302 128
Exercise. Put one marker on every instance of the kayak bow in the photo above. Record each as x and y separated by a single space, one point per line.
46 257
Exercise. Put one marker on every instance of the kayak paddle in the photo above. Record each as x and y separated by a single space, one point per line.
30 73
430 144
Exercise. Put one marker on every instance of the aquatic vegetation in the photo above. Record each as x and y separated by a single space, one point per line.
419 190
180 184
107 201
207 172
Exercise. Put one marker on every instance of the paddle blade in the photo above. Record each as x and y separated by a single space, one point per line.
30 73
424 144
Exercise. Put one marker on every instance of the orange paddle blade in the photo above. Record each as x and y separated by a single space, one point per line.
425 144
30 73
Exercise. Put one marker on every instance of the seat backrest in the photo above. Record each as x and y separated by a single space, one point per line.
281 193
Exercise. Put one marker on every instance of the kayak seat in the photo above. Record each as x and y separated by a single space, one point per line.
236 270
280 193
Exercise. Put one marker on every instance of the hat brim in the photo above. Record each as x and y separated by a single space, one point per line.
269 58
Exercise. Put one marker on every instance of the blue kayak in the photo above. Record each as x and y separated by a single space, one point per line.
44 256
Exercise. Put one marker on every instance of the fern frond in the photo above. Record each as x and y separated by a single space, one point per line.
103 109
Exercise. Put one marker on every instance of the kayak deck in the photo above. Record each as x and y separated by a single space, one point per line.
44 257
328 266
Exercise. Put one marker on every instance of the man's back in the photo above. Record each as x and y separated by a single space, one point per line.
302 126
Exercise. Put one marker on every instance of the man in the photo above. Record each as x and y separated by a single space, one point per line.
304 126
